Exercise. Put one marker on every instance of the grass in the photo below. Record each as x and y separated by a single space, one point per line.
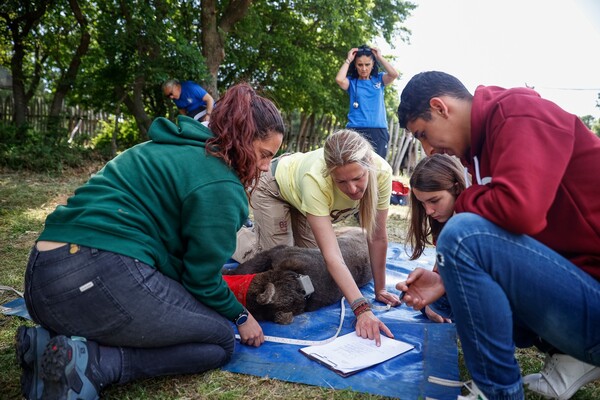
26 199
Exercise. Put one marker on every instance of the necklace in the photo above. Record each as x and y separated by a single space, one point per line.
356 103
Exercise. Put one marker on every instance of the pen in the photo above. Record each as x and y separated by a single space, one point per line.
402 294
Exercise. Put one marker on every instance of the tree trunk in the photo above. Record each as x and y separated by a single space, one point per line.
68 77
214 33
135 105
18 86
20 26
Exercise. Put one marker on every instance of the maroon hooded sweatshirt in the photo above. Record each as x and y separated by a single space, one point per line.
536 171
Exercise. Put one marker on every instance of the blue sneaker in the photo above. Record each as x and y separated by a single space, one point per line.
68 366
29 347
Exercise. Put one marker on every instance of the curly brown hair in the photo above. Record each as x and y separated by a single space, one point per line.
241 117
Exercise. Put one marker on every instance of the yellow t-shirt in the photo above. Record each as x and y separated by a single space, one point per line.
301 182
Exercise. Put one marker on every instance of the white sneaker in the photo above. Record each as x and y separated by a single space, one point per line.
474 392
561 377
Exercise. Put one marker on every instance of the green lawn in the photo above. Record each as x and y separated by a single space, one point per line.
26 199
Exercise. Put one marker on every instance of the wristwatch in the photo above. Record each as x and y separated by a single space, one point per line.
242 318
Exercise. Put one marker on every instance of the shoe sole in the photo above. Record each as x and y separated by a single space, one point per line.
590 376
29 359
63 368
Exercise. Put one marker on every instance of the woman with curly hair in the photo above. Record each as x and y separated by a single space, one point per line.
125 278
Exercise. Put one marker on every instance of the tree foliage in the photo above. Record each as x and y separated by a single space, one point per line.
113 55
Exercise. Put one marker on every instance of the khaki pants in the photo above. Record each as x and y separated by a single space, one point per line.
276 221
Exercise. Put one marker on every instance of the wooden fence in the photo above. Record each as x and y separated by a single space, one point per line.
305 132
76 120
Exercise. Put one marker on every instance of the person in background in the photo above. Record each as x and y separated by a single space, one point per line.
435 184
190 98
359 75
520 261
125 279
303 194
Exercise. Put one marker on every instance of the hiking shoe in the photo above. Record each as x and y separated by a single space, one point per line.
561 377
68 366
29 347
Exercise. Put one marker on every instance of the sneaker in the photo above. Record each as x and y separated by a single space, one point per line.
561 377
474 392
68 366
29 347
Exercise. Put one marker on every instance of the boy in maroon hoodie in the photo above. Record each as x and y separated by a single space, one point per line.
520 261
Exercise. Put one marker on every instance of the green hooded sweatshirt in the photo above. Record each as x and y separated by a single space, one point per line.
167 203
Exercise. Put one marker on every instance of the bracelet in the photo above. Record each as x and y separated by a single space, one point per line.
361 309
355 302
347 61
357 313
361 303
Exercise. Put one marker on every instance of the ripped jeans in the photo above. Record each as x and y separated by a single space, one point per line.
508 290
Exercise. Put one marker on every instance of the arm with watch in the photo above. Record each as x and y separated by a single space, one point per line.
251 333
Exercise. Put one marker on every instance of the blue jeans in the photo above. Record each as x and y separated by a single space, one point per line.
507 290
117 301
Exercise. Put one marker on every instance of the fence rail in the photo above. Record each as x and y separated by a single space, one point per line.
305 131
76 120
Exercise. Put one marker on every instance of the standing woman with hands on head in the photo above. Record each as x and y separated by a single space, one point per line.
359 75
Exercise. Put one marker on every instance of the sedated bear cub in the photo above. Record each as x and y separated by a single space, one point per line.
276 292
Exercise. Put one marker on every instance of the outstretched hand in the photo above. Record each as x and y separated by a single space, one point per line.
368 326
387 298
422 287
251 334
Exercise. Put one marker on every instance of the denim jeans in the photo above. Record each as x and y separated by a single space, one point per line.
507 289
117 301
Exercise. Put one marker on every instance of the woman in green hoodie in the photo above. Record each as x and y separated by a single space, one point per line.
132 262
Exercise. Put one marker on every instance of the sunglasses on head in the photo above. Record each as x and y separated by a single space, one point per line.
364 51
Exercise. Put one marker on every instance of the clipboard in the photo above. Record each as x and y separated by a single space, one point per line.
349 354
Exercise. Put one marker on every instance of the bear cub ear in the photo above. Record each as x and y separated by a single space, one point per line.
268 296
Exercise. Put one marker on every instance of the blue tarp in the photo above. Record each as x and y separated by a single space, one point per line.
405 376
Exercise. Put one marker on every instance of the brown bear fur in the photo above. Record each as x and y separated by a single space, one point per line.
275 293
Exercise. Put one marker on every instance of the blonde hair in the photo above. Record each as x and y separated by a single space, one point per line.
344 147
